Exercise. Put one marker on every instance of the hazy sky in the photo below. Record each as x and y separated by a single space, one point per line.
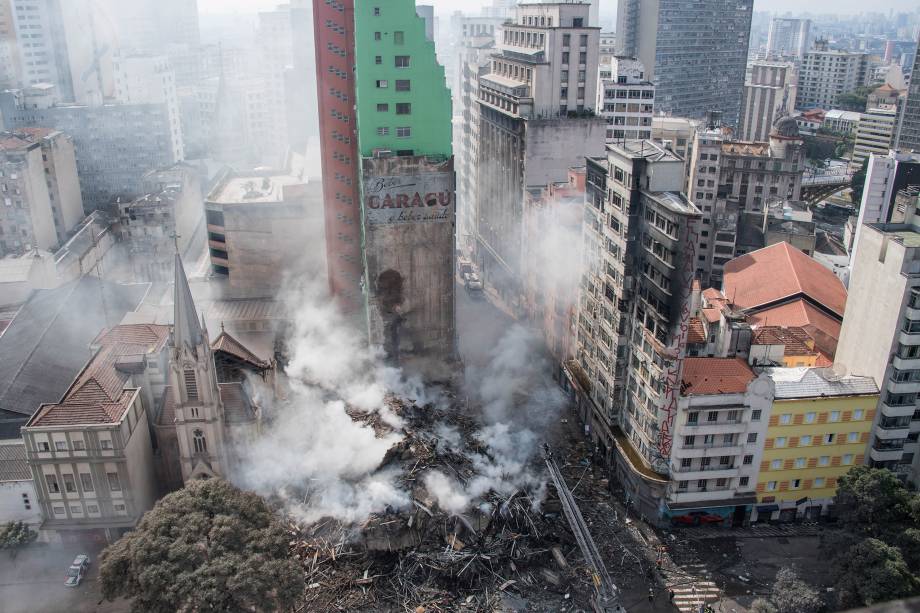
816 6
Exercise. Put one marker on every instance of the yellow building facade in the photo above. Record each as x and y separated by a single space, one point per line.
818 430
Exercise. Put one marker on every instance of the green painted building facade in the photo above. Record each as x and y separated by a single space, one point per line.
403 102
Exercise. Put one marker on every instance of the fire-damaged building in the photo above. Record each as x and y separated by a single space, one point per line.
408 210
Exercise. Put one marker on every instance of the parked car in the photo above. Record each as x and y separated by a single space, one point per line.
697 518
77 570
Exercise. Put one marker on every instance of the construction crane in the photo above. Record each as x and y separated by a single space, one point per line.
607 597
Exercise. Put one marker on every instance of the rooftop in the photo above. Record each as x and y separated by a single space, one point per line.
674 201
252 188
781 273
644 149
795 340
821 327
710 376
23 138
746 148
13 463
902 233
818 383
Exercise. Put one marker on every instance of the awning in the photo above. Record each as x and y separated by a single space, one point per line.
767 508
712 504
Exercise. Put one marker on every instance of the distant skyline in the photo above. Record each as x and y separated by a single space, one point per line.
607 6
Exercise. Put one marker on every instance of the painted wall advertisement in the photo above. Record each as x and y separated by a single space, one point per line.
416 198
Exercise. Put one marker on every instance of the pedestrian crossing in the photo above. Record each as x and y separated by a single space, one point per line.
691 590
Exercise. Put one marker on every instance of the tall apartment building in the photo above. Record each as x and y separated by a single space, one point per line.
677 134
116 144
874 134
625 99
731 178
908 138
788 38
826 74
640 236
38 177
407 197
334 27
881 336
768 94
536 120
690 79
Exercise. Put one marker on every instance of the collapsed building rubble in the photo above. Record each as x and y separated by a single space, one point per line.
510 550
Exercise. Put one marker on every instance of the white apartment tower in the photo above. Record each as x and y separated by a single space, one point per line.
826 74
874 133
788 38
625 99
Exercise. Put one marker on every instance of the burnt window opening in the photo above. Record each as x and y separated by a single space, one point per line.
389 290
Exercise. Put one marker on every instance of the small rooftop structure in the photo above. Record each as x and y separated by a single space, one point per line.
804 382
711 376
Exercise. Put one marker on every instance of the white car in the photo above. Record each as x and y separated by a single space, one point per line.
77 570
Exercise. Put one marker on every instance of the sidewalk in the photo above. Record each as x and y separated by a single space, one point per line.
756 531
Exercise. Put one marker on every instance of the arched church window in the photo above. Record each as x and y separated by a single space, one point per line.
199 442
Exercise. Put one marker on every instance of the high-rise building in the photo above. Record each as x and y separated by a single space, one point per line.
676 134
908 138
827 74
880 337
769 93
640 236
536 120
788 38
407 200
334 26
625 99
690 79
874 133
40 189
300 80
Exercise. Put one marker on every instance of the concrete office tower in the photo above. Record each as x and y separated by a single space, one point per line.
640 235
908 138
788 38
300 80
408 210
768 94
690 79
40 190
536 121
887 176
625 99
334 27
826 74
874 133
881 336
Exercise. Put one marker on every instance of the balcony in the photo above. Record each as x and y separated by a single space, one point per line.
713 471
703 450
885 454
722 426
907 338
906 363
903 387
905 410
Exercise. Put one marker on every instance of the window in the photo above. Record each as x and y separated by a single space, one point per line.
60 445
402 85
44 446
805 441
701 484
732 415
824 460
682 485
810 418
819 482
583 40
565 57
685 463
709 439
76 509
847 459
853 437
752 437
800 462
378 59
728 439
70 485
796 484
771 486
114 483
828 439
566 40
755 415
725 460
383 131
748 460
86 481
399 37
689 440
52 482
781 441
376 11
78 445
582 58
58 510
105 443
743 481
382 84
712 416
383 108
377 36
720 482
705 461
404 132
786 419
857 414
776 465
199 442
191 384
401 61
92 508
693 417
835 415
119 508
403 108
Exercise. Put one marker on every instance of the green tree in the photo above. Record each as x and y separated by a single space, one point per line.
872 572
858 182
873 497
16 534
792 595
762 605
207 547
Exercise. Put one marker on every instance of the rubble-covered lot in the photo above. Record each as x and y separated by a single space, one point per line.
510 551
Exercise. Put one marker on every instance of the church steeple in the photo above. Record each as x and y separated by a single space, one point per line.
186 327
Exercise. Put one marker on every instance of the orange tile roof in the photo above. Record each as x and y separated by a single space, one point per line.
781 272
696 334
794 340
709 376
712 314
821 327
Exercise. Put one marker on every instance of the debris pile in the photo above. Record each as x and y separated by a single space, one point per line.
507 551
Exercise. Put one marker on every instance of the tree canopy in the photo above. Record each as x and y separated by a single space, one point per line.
792 595
206 547
873 572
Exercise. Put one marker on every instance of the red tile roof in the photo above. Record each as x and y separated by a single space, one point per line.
712 314
794 340
781 272
710 376
696 335
821 327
